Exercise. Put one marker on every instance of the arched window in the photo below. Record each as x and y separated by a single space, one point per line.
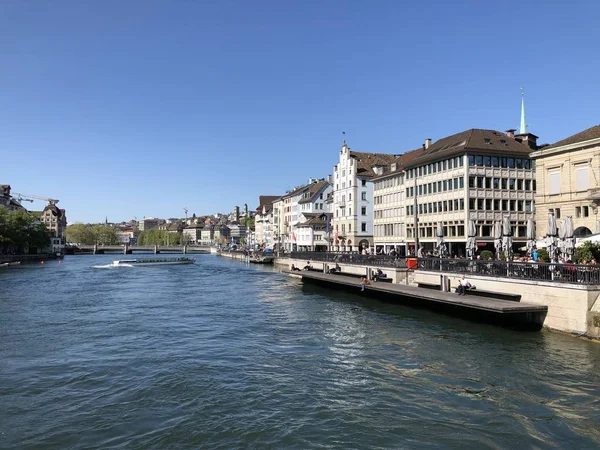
582 232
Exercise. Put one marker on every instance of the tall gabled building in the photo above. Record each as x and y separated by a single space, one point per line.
353 197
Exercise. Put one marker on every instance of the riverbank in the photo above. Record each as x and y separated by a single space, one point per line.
24 258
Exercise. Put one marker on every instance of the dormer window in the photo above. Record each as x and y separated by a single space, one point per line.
487 141
502 141
393 166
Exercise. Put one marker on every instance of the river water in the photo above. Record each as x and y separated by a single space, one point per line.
223 355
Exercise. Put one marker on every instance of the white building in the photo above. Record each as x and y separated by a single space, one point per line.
353 197
264 221
310 231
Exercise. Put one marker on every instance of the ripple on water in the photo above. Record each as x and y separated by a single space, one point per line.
224 355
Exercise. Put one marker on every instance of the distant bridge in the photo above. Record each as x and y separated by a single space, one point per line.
127 249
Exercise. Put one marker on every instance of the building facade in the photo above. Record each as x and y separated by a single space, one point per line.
389 207
352 197
479 175
55 220
568 182
310 230
192 234
264 223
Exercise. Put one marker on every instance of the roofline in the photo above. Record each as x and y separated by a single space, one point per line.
563 148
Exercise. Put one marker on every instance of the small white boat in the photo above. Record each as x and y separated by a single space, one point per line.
2 265
153 262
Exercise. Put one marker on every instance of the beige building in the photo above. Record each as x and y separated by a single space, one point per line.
389 206
480 175
568 181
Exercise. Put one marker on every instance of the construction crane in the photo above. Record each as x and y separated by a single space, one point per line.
31 198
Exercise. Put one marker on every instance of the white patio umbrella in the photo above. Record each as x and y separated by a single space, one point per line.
569 238
551 237
498 237
441 244
530 236
561 237
471 239
506 238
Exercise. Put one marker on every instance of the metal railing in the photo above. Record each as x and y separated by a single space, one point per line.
395 262
552 272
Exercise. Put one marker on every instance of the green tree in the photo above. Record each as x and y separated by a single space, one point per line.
587 251
21 230
486 255
90 234
79 233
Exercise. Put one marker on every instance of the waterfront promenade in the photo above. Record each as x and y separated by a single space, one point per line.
570 293
513 313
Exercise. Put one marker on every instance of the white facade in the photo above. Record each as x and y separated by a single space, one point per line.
311 236
353 198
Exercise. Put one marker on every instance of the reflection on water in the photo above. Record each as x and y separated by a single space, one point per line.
221 354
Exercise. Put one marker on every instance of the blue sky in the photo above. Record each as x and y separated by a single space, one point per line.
141 108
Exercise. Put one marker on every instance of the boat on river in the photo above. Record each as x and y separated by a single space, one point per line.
145 262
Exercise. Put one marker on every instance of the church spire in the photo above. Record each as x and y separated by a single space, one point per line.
523 127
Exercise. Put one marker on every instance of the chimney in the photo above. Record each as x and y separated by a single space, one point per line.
511 133
427 143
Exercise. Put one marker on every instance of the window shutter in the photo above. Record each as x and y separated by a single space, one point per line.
582 177
554 182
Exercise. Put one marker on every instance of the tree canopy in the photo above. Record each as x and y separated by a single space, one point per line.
159 237
90 234
20 230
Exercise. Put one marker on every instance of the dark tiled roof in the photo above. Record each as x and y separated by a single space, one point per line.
55 210
366 162
483 141
585 135
401 162
314 219
313 189
266 201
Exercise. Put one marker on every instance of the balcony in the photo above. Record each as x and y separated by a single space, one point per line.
594 194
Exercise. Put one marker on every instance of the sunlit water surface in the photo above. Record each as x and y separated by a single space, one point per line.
220 354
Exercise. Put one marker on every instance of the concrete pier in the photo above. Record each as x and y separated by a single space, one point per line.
518 314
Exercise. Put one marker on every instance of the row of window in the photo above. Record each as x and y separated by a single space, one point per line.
389 229
504 162
388 182
363 228
307 206
435 187
363 183
389 213
581 176
437 207
488 204
389 198
363 212
363 196
512 184
439 166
